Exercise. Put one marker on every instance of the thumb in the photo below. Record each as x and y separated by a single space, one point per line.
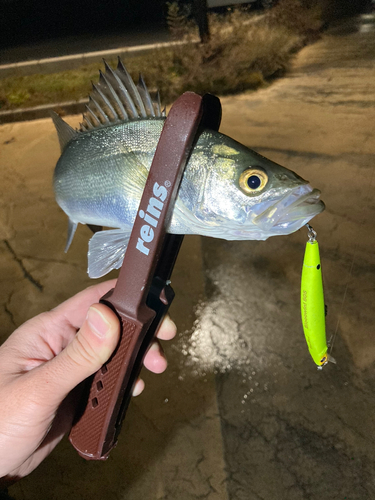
88 351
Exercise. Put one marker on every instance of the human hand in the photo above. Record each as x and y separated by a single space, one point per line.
43 361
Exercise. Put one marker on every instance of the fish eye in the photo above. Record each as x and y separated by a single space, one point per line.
252 180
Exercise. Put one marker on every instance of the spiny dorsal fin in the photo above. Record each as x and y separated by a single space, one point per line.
65 132
145 96
116 98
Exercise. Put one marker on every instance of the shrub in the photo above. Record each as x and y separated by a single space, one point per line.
243 50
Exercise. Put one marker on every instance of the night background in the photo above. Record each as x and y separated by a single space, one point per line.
30 21
24 21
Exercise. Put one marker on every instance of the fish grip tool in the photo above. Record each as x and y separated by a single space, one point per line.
143 294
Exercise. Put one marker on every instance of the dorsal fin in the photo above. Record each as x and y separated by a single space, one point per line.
116 98
65 132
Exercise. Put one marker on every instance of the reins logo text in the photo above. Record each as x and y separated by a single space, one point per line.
153 212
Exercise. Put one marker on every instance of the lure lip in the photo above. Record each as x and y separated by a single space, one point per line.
331 359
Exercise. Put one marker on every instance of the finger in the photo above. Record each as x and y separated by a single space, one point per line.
138 388
155 360
88 351
167 330
74 309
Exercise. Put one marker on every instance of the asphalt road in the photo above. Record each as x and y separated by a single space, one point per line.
80 44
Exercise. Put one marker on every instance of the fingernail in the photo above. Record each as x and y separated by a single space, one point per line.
138 388
97 322
154 347
172 324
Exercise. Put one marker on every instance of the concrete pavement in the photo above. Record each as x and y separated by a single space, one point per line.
290 432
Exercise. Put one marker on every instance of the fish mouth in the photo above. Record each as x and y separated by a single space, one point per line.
292 212
306 207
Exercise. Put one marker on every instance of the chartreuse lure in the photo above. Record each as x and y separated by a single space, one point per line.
312 302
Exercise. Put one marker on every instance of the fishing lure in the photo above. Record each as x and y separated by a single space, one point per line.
312 302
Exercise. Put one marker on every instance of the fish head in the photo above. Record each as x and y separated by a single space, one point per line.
248 196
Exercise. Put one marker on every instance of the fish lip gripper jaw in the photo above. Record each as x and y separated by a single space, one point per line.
143 294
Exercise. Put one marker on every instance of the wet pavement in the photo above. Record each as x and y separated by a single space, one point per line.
242 413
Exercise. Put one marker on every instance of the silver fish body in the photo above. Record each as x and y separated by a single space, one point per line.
101 175
227 190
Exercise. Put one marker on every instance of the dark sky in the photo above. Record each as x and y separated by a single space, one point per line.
29 21
23 21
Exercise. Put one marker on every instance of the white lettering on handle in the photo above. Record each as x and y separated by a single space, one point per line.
152 215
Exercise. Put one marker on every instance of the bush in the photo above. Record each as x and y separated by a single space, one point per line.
243 51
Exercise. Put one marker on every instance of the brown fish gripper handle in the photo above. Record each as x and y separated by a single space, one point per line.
143 294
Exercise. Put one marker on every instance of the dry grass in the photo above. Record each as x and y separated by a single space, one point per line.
245 50
33 90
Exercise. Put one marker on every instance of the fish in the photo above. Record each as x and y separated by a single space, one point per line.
227 191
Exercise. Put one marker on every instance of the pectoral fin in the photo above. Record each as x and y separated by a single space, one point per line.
106 251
